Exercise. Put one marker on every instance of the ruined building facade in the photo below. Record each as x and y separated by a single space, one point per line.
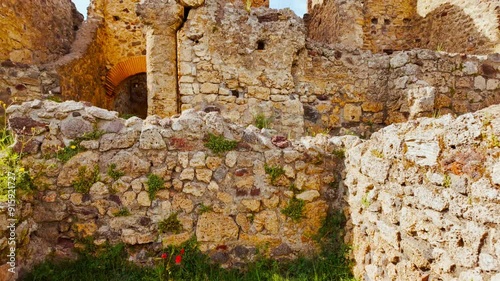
214 66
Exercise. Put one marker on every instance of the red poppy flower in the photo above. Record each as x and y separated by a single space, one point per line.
164 255
182 251
178 259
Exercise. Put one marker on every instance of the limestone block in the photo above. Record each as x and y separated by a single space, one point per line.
194 188
69 172
73 127
492 84
495 175
399 60
258 92
421 152
204 175
308 195
209 88
216 228
99 189
198 160
420 99
480 83
121 140
251 204
101 113
151 139
352 113
267 220
187 174
143 199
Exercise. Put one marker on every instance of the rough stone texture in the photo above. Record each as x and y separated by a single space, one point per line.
233 184
30 33
385 26
435 211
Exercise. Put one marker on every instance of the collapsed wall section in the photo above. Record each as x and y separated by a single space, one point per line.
35 32
424 199
224 198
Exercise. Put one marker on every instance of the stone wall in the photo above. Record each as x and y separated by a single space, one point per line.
224 199
246 68
83 71
21 82
469 26
35 32
424 199
264 66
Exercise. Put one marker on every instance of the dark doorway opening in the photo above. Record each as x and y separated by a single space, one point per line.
132 96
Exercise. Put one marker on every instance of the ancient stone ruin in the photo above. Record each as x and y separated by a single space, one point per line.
407 91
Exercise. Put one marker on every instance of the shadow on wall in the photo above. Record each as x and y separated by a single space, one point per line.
132 96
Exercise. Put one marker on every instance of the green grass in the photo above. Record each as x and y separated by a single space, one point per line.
111 263
170 225
84 182
113 173
218 144
294 209
123 212
10 167
154 183
74 147
261 121
274 172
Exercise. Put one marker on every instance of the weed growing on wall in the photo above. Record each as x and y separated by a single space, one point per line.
74 147
261 121
274 172
84 182
170 225
9 162
219 144
113 173
294 209
123 212
154 183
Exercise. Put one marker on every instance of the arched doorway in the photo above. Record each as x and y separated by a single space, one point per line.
127 83
132 96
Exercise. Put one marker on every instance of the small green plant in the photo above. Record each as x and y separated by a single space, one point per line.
334 184
55 98
339 153
127 116
377 153
440 47
365 201
248 5
94 135
123 212
84 182
204 209
69 151
113 173
261 121
294 209
154 183
274 172
170 225
218 144
447 181
493 141
293 188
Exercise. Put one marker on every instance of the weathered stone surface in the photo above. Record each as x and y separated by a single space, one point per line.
69 172
75 127
308 195
101 113
213 227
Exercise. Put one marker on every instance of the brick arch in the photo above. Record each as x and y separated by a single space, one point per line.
123 70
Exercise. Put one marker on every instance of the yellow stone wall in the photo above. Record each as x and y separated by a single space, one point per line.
33 32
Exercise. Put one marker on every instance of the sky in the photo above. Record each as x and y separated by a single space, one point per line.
298 6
